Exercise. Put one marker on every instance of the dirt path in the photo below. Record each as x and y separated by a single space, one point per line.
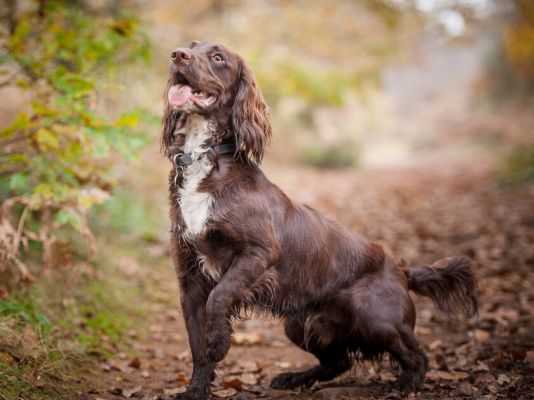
422 214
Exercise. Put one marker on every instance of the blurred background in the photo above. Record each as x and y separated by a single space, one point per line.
410 121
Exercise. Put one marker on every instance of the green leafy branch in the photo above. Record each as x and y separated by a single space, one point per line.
58 153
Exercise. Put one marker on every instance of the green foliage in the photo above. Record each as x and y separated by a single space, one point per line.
317 52
30 380
519 165
128 217
58 153
330 157
26 351
510 64
316 87
99 323
92 314
519 41
26 313
106 310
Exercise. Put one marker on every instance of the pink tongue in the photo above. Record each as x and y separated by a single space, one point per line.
179 95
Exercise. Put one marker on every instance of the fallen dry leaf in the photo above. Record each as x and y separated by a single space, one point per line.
421 330
130 392
39 381
172 315
172 392
283 364
29 335
249 379
135 363
484 378
233 383
492 388
183 355
155 328
246 338
117 391
467 389
182 378
248 366
481 335
7 358
481 366
448 376
116 367
503 379
435 344
224 392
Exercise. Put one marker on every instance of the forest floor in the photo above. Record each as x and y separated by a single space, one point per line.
422 214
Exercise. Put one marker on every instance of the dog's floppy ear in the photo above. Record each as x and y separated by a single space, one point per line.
251 122
169 120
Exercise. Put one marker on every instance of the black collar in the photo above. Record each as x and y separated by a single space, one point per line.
183 160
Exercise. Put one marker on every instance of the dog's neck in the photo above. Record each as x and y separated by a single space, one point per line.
196 132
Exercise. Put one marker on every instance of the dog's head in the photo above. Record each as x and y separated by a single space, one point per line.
211 80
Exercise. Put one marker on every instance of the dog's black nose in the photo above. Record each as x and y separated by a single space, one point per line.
182 55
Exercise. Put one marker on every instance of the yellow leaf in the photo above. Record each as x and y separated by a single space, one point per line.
89 197
44 190
47 138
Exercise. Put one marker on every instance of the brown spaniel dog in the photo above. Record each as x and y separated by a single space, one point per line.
239 242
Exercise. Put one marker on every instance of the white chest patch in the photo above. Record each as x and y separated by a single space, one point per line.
195 205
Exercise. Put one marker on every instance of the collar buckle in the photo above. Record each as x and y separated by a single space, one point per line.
182 160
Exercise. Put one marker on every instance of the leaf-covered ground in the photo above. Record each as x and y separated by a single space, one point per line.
423 213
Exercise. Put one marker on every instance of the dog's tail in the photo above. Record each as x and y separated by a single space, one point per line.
450 284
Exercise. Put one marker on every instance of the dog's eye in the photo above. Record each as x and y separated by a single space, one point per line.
218 58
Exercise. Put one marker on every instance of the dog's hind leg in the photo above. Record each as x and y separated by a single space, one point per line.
412 360
376 335
333 359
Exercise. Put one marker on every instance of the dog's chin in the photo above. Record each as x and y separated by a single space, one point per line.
189 108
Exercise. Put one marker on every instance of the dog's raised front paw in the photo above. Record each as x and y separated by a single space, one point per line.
218 347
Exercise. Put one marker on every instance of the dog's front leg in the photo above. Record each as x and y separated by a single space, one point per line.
194 309
223 300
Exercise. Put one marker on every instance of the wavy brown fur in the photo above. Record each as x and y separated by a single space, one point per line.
250 117
449 282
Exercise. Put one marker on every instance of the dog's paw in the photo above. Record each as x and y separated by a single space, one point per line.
409 384
218 347
291 380
192 394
